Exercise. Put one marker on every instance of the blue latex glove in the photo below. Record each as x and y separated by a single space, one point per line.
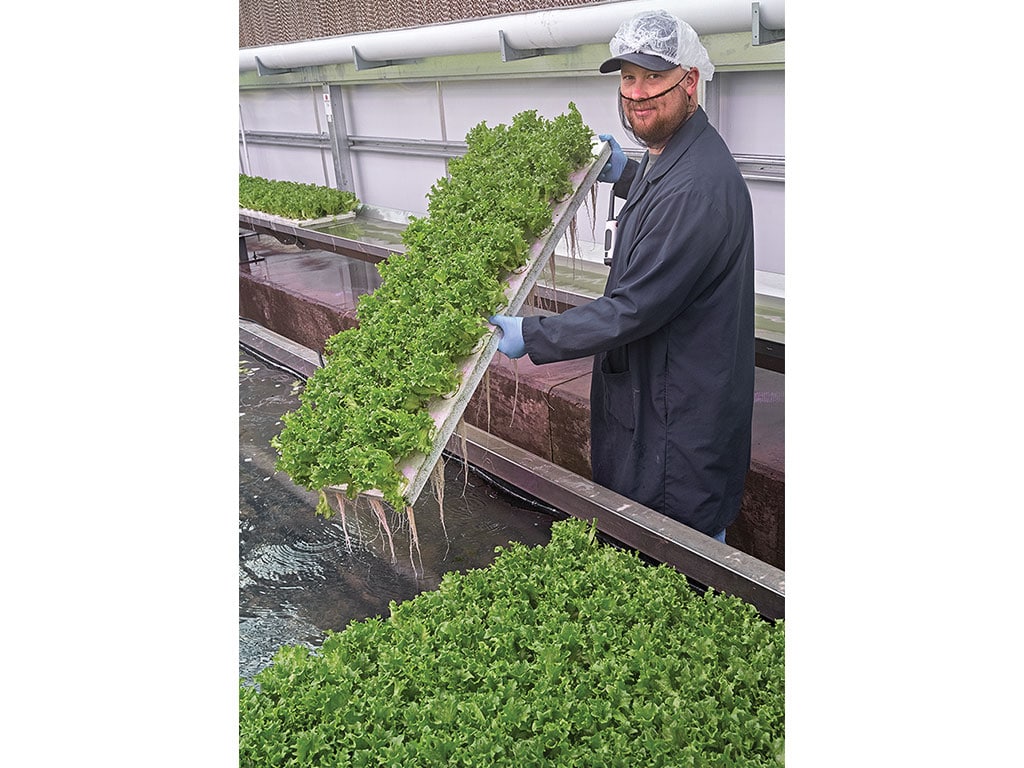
511 343
612 170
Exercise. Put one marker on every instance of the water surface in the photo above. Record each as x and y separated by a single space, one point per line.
300 575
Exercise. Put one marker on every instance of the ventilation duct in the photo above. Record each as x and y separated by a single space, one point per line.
522 34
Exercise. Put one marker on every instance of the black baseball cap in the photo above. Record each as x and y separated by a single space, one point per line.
645 60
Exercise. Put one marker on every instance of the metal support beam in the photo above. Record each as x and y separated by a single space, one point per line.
761 167
409 147
334 108
243 248
700 557
509 53
282 139
760 34
277 350
362 63
263 69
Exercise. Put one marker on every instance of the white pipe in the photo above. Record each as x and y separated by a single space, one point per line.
558 28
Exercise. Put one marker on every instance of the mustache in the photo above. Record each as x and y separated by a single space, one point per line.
655 96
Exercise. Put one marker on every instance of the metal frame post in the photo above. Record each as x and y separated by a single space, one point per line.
334 107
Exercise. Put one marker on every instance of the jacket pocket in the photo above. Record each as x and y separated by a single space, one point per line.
618 396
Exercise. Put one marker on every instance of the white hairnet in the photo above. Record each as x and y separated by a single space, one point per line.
659 33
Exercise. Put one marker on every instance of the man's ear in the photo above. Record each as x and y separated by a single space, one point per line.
690 80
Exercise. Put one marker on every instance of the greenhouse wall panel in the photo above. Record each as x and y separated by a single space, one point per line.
394 110
288 110
751 112
467 102
300 164
394 181
769 201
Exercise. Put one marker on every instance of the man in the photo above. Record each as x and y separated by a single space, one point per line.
673 335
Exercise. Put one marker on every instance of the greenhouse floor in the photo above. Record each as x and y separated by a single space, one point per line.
307 295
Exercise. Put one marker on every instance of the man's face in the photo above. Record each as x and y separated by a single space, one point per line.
654 114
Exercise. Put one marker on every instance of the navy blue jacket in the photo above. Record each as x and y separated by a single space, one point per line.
672 336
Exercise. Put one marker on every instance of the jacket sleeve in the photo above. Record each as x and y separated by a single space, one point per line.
676 258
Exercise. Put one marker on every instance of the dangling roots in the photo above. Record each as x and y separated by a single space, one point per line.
592 208
344 525
487 391
554 284
378 507
572 237
460 431
414 539
572 244
515 393
437 484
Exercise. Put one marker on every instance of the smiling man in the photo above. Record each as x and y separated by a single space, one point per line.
654 115
673 335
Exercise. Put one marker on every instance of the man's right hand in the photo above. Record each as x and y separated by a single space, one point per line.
612 170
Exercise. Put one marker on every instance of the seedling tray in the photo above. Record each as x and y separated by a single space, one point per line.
447 411
269 217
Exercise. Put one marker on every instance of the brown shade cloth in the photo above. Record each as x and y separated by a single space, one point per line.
272 22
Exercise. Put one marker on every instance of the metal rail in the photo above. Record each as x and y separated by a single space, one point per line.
311 238
700 557
752 167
